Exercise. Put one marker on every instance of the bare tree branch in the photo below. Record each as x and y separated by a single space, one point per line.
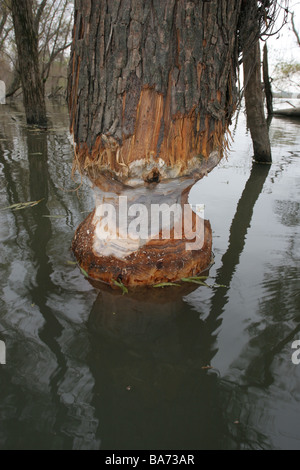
54 54
15 86
50 33
55 51
3 22
4 37
294 28
38 15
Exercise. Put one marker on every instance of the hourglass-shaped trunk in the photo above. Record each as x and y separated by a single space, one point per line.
151 94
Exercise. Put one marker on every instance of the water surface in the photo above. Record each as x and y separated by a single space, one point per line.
90 369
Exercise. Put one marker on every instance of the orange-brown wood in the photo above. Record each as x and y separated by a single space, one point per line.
158 136
157 262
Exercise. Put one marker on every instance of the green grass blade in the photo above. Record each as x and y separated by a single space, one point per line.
121 286
21 205
84 272
166 284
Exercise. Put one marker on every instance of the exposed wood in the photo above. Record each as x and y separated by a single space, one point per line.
156 262
151 93
163 82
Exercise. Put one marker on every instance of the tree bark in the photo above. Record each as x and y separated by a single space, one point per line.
28 60
151 81
152 90
255 105
267 82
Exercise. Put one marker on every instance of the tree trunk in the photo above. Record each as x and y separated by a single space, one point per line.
151 80
255 105
152 89
28 60
267 82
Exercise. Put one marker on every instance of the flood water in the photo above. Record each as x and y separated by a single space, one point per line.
91 369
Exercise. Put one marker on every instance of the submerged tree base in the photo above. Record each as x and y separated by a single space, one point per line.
174 242
156 262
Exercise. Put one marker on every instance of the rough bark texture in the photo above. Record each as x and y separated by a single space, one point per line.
28 60
152 89
255 105
267 82
151 81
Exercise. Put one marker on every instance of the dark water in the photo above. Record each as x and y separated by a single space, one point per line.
97 370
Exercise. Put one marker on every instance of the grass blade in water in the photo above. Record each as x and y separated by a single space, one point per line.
195 280
121 285
166 284
21 206
72 263
84 272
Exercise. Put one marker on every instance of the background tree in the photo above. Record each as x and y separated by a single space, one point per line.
256 16
254 99
288 72
6 32
28 60
53 24
267 81
5 23
294 28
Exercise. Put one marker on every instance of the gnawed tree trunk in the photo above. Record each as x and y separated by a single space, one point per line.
255 105
149 81
28 60
152 89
